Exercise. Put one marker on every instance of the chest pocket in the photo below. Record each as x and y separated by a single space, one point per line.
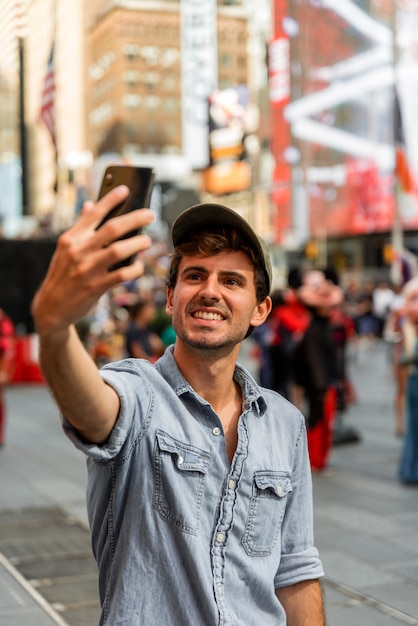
180 471
266 511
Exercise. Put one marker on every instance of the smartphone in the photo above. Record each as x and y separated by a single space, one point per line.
140 181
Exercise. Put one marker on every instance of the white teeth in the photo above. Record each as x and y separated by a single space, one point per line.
204 315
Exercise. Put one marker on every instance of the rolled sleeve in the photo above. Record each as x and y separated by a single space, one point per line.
126 386
299 566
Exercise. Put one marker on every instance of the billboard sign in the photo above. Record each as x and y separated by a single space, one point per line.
341 114
199 60
230 122
280 144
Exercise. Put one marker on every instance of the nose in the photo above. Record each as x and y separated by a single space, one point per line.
210 288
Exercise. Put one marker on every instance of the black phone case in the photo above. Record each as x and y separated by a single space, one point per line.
140 181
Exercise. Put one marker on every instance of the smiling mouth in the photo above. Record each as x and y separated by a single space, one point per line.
205 315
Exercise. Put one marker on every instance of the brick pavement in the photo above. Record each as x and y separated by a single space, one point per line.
366 522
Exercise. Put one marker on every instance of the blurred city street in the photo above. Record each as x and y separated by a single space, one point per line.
366 521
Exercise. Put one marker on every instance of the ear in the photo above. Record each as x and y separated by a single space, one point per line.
169 301
261 312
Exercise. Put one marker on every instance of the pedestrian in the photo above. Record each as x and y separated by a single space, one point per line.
315 364
351 301
383 296
291 321
392 334
199 489
408 469
141 340
7 362
366 320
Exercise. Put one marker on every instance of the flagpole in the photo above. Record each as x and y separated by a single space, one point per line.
23 136
22 128
54 44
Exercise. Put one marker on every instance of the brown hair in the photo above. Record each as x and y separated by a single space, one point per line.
208 243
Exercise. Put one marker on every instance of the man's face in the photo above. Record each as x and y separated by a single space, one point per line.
214 300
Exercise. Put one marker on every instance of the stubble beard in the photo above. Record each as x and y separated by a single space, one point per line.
207 345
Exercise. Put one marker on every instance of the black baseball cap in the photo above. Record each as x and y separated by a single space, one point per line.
207 216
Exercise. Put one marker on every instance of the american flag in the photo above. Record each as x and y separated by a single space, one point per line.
47 114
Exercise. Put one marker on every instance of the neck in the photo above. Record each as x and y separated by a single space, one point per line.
209 373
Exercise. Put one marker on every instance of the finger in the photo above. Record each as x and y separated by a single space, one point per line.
124 274
93 213
117 227
121 250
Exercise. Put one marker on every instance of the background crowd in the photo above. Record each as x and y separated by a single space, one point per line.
301 350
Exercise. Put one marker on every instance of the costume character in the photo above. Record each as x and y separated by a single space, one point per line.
316 364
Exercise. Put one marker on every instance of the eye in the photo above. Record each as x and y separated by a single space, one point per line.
232 282
193 276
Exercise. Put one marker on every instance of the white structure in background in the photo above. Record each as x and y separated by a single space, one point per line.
377 73
199 60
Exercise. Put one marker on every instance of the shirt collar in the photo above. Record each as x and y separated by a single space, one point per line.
251 392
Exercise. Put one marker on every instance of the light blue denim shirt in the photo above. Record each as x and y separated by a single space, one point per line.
181 536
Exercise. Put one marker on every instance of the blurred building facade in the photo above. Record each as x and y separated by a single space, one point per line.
134 83
343 91
10 36
309 158
28 30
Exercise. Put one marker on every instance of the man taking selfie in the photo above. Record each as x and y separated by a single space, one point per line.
199 490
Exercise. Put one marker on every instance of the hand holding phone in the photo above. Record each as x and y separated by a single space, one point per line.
140 181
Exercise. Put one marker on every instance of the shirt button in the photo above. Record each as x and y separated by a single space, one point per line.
231 484
216 431
279 490
220 537
180 459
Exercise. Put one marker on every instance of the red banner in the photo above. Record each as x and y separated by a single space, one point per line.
279 90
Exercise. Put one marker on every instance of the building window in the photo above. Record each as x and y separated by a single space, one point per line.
101 114
131 100
131 78
171 81
152 102
169 57
170 149
170 104
225 60
225 82
241 61
131 51
103 87
98 70
170 130
151 79
150 54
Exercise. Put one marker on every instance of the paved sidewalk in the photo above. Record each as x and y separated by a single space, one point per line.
366 521
20 603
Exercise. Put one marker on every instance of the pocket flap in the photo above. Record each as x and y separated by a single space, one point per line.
186 457
274 482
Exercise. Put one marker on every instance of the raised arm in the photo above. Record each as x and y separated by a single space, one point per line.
77 276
